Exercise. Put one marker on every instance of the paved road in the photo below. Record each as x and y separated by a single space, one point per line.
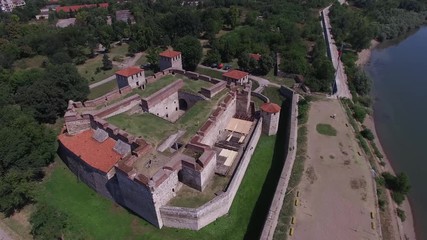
126 63
340 76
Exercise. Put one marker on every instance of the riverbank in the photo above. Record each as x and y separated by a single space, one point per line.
406 229
364 56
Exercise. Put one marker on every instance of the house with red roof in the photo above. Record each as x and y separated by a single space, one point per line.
255 56
236 76
170 59
131 76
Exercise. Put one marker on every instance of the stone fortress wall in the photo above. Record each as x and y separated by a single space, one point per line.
148 196
197 218
291 130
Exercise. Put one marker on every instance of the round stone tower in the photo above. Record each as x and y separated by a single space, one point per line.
270 113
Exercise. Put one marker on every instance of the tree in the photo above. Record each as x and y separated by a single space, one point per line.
212 57
359 112
107 64
361 83
265 64
243 61
367 133
233 17
48 222
48 97
192 52
153 58
25 147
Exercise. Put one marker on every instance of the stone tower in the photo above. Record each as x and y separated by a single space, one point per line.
170 59
270 113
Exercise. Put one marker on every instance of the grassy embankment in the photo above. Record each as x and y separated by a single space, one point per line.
288 208
94 217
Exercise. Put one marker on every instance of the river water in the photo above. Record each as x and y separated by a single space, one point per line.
399 73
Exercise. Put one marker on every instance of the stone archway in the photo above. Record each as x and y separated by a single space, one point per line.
183 105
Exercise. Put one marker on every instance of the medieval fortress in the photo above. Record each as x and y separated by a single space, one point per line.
146 176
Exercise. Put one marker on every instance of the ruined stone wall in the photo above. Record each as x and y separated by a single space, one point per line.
213 90
119 107
197 174
110 96
207 172
219 123
95 179
138 198
167 188
190 98
76 123
197 218
166 107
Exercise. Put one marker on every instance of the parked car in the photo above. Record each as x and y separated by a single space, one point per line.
227 67
220 66
146 66
214 65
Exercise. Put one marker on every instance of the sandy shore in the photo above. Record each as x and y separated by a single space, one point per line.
364 56
406 229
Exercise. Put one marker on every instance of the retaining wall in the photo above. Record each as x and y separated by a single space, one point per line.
291 146
197 218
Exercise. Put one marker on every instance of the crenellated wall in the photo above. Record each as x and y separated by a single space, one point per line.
197 218
218 120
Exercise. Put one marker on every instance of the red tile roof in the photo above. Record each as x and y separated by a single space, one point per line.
270 107
235 74
127 72
255 56
98 155
170 53
74 8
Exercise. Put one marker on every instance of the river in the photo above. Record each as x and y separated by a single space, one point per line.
399 73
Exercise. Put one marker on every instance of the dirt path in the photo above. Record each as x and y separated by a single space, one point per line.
336 189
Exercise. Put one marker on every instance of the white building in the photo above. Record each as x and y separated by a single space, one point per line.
131 76
170 59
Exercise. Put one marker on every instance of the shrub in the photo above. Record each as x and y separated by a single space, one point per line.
359 113
398 197
367 133
401 214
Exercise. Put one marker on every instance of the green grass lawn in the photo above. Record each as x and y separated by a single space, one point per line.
88 69
156 86
274 95
155 129
94 217
326 129
289 82
102 89
210 72
194 86
192 198
28 63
